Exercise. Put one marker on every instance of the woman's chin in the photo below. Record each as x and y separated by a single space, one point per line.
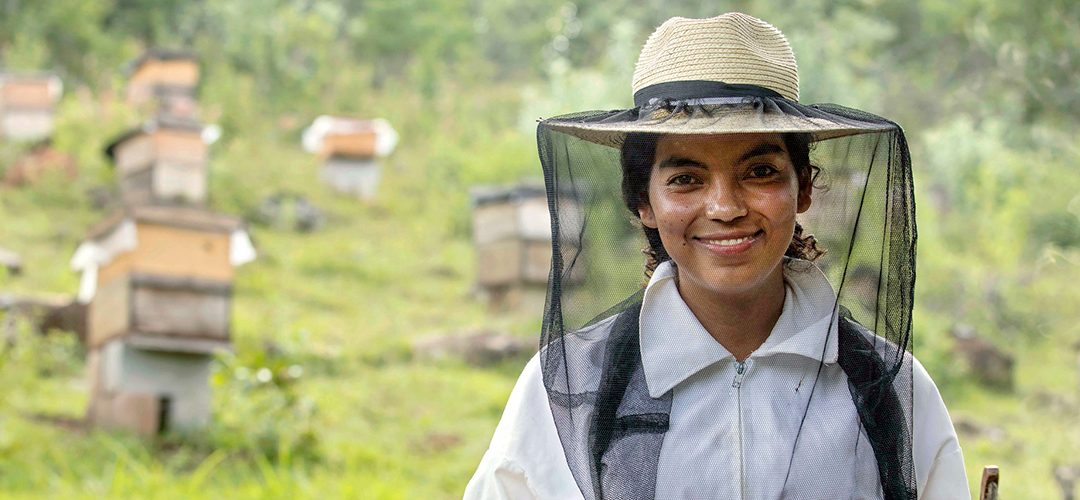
738 280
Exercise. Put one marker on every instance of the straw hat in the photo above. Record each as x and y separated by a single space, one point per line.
732 73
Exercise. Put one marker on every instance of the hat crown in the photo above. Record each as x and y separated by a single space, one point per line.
732 48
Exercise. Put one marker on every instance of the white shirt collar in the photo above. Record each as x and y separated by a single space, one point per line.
675 346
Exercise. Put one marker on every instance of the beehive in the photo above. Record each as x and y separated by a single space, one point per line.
159 283
163 161
27 105
512 235
160 76
350 150
174 283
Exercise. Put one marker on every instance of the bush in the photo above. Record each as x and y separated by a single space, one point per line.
260 410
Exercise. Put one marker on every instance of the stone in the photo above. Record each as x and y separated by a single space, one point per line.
1066 477
969 428
287 210
989 365
48 312
476 347
11 261
37 163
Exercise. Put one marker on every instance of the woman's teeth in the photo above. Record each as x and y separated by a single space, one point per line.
730 242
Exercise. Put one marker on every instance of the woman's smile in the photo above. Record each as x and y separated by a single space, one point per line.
726 245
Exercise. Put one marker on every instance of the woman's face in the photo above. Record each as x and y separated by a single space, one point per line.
725 208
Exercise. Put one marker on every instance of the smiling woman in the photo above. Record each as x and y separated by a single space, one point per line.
740 370
724 210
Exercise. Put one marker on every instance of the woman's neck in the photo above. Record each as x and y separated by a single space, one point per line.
739 322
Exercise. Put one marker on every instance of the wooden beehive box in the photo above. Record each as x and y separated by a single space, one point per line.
162 74
27 105
172 290
512 234
161 162
350 150
342 137
29 92
359 143
27 124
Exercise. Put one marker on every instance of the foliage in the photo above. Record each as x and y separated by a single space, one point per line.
265 411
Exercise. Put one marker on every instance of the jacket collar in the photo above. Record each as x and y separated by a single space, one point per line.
675 346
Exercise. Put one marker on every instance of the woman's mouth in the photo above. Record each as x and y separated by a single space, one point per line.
729 244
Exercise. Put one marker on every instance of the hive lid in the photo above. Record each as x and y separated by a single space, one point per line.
182 217
149 126
485 195
159 55
386 137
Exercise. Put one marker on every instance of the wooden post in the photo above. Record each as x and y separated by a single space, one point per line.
989 488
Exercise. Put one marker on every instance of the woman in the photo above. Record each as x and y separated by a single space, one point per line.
739 371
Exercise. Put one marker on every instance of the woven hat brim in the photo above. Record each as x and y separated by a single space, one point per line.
734 120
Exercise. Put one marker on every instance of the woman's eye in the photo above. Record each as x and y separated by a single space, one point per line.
681 180
759 171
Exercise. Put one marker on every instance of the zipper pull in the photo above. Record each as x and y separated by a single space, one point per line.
740 372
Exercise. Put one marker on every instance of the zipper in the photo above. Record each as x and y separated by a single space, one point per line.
740 374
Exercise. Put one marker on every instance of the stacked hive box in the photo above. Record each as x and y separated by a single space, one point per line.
512 234
158 273
160 279
163 162
350 150
164 82
27 106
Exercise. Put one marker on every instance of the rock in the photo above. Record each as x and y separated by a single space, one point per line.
41 159
11 261
70 317
479 347
48 312
436 442
102 197
284 209
308 217
969 428
990 365
1066 477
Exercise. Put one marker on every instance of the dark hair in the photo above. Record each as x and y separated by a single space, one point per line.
638 154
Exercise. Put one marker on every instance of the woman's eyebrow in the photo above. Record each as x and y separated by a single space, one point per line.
765 148
679 161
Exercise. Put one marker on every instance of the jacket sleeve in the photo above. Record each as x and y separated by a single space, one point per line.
498 479
525 459
939 461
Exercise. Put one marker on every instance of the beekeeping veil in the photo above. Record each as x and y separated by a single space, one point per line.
724 75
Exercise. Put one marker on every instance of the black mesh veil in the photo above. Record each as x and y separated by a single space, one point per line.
862 214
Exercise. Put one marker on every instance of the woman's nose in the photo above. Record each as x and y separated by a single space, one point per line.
725 203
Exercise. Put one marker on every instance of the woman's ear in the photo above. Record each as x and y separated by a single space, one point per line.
645 213
806 189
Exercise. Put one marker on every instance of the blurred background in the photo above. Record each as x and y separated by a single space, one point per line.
368 348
